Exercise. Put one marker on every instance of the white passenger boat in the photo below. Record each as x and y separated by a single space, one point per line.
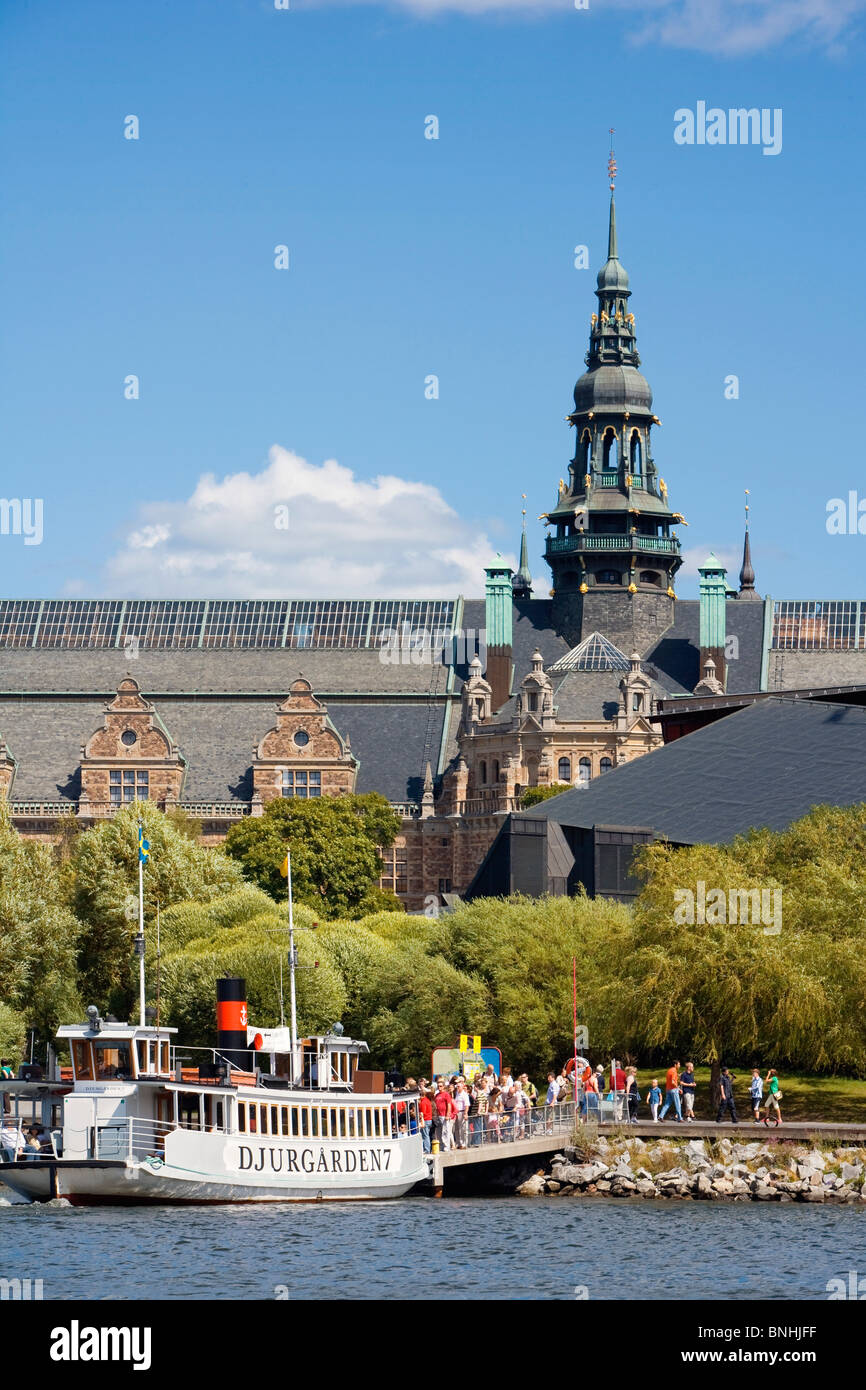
140 1124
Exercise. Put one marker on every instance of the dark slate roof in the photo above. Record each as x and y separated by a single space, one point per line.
216 737
269 671
676 655
591 694
766 765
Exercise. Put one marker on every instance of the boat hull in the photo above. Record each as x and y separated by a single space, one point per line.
134 1183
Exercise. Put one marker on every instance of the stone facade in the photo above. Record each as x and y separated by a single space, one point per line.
303 755
131 757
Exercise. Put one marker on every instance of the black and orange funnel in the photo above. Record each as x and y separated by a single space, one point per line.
232 1019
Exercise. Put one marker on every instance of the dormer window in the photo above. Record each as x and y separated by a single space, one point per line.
301 783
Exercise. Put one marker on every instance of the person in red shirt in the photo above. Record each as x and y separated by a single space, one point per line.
445 1115
617 1085
425 1106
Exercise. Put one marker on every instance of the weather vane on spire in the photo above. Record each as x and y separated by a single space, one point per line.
611 162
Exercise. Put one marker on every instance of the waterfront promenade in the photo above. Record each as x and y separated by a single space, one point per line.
553 1126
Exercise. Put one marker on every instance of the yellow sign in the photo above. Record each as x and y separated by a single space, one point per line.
464 1042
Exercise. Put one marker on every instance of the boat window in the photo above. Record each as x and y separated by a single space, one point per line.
112 1060
313 1117
343 1122
275 1120
377 1121
323 1118
253 1109
285 1114
333 1126
189 1110
151 1056
82 1061
141 1053
242 1117
165 1064
263 1119
368 1119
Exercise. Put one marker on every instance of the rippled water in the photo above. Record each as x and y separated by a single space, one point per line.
420 1248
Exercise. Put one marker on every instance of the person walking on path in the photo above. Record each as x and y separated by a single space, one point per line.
756 1093
632 1094
774 1095
689 1086
672 1092
655 1099
726 1091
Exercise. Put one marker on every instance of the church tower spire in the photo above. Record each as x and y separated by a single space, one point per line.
747 573
612 549
521 583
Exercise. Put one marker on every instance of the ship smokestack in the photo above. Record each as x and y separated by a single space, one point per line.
232 1019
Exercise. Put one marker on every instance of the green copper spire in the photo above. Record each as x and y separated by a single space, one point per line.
497 595
713 588
521 584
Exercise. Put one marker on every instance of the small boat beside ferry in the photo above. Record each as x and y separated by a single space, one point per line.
274 1120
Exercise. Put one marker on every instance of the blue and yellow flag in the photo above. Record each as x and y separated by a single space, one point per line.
143 847
284 867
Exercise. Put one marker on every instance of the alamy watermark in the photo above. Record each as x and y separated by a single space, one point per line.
712 125
22 516
736 907
407 645
21 1290
852 1286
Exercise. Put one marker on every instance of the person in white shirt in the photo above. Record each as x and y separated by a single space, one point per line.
462 1102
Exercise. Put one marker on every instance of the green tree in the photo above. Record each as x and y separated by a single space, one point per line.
38 934
103 868
533 795
334 841
13 1035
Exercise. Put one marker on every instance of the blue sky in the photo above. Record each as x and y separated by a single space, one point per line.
410 257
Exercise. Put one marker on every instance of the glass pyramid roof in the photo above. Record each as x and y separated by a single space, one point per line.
594 653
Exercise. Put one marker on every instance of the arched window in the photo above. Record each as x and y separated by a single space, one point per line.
650 577
605 765
637 702
586 452
611 456
565 769
495 770
482 772
584 772
635 453
607 577
533 702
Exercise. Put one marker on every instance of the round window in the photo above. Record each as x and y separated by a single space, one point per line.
302 738
128 737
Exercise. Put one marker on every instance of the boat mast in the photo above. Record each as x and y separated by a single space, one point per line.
293 1017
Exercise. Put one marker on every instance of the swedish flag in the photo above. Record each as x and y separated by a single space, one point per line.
143 847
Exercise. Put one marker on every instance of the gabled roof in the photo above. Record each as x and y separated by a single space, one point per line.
765 765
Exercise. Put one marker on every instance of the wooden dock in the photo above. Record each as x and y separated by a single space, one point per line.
522 1152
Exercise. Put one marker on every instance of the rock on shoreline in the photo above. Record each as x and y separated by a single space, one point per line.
704 1170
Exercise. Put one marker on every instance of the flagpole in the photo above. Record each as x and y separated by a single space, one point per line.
293 1013
141 1019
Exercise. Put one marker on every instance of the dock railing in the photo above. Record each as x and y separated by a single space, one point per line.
509 1127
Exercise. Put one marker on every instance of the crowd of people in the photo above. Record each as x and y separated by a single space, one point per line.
458 1112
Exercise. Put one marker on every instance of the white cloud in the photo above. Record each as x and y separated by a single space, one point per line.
695 555
731 28
346 537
